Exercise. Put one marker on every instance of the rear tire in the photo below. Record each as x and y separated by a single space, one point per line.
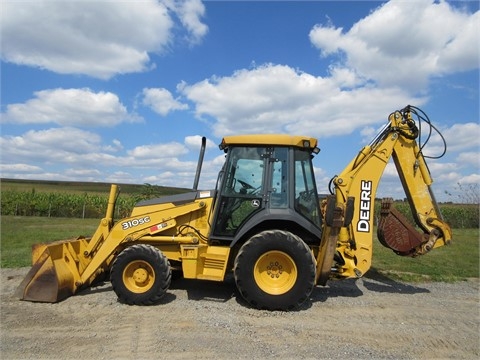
140 275
275 270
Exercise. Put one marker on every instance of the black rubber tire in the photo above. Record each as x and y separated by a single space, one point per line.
147 263
284 245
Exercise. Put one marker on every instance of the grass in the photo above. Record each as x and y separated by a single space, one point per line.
459 261
18 234
456 262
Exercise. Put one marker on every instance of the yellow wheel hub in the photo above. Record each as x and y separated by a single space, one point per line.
275 272
138 276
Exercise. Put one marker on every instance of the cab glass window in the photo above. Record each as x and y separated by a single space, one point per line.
242 190
306 197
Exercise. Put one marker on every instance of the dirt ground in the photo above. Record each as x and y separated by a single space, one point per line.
370 318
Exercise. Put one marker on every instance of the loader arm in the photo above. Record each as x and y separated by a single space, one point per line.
60 269
355 190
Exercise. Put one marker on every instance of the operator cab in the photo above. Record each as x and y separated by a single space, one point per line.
265 178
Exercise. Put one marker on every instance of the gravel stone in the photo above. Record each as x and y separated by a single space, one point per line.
368 318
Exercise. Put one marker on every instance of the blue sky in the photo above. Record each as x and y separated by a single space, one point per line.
122 91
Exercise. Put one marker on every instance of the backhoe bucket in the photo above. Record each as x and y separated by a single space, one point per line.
55 271
396 233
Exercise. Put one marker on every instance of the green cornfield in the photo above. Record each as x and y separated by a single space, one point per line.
56 204
73 200
93 205
458 216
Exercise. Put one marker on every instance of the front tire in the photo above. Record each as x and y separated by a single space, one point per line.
275 270
140 275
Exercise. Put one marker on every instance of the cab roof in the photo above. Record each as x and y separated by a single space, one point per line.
270 140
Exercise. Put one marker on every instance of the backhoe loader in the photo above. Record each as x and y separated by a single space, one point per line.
264 223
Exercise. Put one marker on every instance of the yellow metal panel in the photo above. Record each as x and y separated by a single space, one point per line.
189 259
204 262
270 139
215 262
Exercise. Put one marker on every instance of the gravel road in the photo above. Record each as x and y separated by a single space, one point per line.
370 318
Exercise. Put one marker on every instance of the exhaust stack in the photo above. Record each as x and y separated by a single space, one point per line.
200 162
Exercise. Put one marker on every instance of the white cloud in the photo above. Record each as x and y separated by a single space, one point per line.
161 101
458 137
470 179
96 38
389 56
54 145
122 177
278 98
462 136
158 151
469 158
88 159
460 52
404 43
19 168
181 173
114 147
69 107
368 133
189 13
83 173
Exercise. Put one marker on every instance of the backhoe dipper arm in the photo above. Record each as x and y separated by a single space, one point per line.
416 180
359 181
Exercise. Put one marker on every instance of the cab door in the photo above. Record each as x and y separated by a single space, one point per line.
241 192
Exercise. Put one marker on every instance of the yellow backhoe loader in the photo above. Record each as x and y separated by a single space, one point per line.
263 222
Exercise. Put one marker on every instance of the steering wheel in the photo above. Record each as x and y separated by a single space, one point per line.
245 185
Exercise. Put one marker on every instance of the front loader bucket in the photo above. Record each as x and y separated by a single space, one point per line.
61 268
55 271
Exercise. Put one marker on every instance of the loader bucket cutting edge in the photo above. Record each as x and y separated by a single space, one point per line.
52 277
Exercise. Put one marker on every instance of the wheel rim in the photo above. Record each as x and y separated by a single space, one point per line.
275 272
138 276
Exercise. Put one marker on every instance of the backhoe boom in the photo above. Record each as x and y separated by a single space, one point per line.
359 181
